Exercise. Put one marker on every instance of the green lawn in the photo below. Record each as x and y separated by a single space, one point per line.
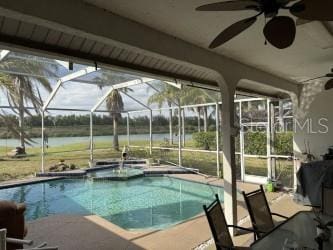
78 154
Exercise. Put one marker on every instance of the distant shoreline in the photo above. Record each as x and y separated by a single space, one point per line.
65 140
83 130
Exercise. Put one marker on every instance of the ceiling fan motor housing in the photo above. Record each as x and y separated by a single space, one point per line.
271 7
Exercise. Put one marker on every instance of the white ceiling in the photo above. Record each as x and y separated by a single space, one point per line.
305 59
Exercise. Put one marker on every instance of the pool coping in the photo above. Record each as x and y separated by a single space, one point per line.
197 181
83 175
29 182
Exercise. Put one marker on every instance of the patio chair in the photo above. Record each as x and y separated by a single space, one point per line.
220 228
259 211
327 200
12 218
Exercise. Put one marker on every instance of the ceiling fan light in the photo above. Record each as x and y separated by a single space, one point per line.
329 84
280 31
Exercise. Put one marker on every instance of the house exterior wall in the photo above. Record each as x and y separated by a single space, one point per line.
313 128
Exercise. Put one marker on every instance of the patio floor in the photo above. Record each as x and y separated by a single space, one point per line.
93 232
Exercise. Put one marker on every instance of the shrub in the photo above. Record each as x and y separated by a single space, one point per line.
255 143
283 143
206 140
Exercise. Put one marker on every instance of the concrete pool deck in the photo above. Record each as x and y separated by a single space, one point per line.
93 232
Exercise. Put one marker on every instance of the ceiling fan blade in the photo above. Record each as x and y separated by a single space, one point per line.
230 6
280 31
320 10
232 31
329 84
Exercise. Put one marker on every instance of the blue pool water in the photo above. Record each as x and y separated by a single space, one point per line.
143 203
117 172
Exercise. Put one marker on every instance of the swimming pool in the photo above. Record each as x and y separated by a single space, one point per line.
143 203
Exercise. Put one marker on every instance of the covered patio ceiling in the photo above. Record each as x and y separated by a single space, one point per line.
311 54
136 39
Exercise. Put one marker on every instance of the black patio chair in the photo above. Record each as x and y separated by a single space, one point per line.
220 228
327 200
259 211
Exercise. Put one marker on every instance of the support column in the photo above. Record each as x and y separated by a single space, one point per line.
91 141
241 142
170 126
180 163
217 122
183 127
268 139
128 129
272 152
151 132
229 164
43 144
281 119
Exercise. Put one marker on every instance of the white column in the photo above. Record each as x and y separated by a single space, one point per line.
218 172
128 129
170 126
229 166
281 119
272 152
268 141
180 163
91 140
241 142
151 132
183 126
43 144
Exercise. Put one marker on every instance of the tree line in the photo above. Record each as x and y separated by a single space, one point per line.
83 120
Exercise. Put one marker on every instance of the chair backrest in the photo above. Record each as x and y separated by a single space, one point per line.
218 225
259 211
12 218
327 200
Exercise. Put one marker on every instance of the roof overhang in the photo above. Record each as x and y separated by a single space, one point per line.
24 27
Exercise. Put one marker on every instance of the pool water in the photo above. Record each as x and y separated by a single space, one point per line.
117 172
143 203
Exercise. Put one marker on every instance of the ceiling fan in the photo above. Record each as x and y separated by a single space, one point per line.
329 83
279 31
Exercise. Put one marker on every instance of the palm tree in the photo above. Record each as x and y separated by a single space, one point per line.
166 94
23 89
115 104
114 101
199 96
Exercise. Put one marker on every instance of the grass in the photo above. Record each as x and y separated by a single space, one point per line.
78 154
